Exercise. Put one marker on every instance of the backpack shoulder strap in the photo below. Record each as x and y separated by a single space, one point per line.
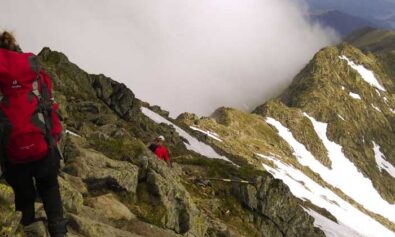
45 105
36 68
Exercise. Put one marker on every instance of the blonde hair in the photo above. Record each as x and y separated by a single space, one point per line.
8 41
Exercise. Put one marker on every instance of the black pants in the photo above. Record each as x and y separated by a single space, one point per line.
41 176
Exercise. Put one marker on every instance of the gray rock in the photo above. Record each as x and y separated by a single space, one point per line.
114 131
91 228
72 199
99 171
182 215
276 211
89 107
110 207
76 182
37 229
117 96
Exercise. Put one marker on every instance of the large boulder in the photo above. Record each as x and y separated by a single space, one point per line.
117 96
9 220
182 215
88 227
6 194
276 211
99 171
71 198
36 229
112 130
110 207
146 229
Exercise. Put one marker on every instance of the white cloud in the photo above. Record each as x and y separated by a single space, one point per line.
185 55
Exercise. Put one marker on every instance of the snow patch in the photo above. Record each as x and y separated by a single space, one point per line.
382 162
366 74
341 117
331 228
355 96
213 135
376 108
351 220
72 133
193 144
343 173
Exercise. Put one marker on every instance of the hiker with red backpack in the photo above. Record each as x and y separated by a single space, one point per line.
160 150
29 132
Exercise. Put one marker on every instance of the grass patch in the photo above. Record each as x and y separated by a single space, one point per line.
119 149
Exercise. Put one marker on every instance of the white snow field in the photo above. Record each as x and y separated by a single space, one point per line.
350 218
367 75
193 144
343 174
213 135
331 228
355 96
382 162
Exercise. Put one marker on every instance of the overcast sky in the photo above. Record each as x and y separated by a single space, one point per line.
184 55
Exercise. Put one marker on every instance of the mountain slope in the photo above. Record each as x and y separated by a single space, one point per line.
112 185
329 137
373 40
316 161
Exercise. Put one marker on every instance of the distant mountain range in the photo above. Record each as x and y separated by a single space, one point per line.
367 9
348 16
344 23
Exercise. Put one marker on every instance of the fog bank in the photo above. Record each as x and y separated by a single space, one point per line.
184 55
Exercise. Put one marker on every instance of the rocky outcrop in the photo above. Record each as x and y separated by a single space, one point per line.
276 212
37 229
113 186
110 207
9 220
99 171
117 96
182 214
72 198
88 227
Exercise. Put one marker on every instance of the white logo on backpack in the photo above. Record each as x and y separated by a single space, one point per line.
15 85
27 147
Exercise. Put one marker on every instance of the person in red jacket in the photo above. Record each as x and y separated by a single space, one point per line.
160 150
29 132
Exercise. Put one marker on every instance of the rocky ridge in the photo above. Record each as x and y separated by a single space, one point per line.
113 186
335 120
358 118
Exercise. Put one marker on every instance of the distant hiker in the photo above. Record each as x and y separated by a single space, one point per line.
160 150
29 132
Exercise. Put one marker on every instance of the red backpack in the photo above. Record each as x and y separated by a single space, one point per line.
29 125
